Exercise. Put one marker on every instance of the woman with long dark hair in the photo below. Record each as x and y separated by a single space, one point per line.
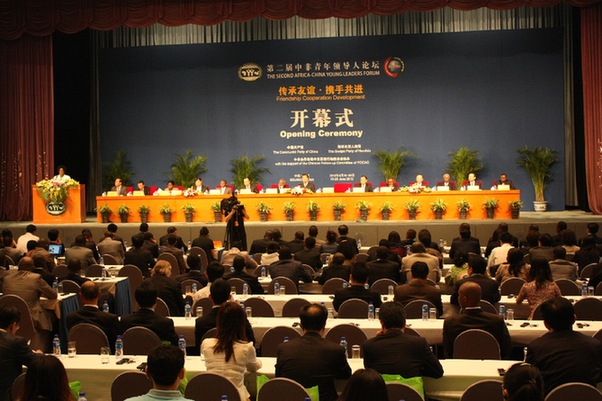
540 286
46 380
514 267
523 382
230 354
365 385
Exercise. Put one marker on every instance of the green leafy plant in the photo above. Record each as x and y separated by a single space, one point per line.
438 204
102 209
52 191
288 206
165 209
120 167
463 205
363 205
143 209
263 208
338 205
189 208
390 163
537 162
517 204
462 162
491 203
386 207
186 168
312 206
216 206
412 205
245 166
123 209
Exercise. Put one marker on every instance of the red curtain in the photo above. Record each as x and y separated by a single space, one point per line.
26 122
591 50
42 17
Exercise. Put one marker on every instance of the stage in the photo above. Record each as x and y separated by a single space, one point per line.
369 231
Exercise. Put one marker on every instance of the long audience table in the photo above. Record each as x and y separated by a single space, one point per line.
204 212
96 378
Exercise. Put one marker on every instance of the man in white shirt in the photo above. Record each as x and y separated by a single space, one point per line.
25 238
500 253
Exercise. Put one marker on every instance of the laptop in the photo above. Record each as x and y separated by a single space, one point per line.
55 249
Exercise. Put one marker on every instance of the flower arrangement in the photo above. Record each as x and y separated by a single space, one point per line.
438 205
338 205
491 203
263 208
412 205
404 189
55 191
190 192
189 208
517 204
312 206
386 207
165 209
123 209
463 205
143 209
289 206
363 205
297 191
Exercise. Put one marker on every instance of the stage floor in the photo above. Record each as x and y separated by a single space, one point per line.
370 231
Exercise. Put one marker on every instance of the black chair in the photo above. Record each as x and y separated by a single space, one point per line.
413 309
293 306
476 344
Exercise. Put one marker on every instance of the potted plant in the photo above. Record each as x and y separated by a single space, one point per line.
313 208
412 207
386 209
462 162
217 211
537 162
289 210
120 167
143 211
165 210
463 208
490 205
105 211
363 206
515 208
186 168
189 210
337 208
390 163
439 207
123 211
263 210
248 167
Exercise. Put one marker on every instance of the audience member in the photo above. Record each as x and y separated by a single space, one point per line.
569 241
563 355
514 267
499 254
260 245
214 271
358 279
365 384
271 254
395 244
459 270
523 382
544 250
335 269
29 235
194 263
419 288
344 237
287 267
112 228
205 243
108 246
312 360
41 253
230 254
89 243
540 287
562 268
419 254
168 289
239 272
313 232
150 244
46 379
490 289
41 267
465 242
587 254
10 249
331 244
173 231
560 227
592 232
296 244
75 267
139 257
177 253
309 255
382 267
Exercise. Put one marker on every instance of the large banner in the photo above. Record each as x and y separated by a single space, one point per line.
323 106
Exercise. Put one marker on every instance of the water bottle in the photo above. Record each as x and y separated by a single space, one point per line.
263 271
102 261
55 285
194 288
441 244
276 288
105 306
525 354
231 269
182 345
242 305
425 312
367 286
224 397
584 290
285 339
189 245
408 249
118 348
104 273
245 289
370 311
56 346
82 396
359 243
345 284
502 311
187 311
344 344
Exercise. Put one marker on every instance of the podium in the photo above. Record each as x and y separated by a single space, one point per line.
75 208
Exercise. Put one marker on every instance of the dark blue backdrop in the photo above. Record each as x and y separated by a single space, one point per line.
490 91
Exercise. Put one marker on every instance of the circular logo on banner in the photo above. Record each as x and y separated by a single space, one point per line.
55 209
250 72
394 66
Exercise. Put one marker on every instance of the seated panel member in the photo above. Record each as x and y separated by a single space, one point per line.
119 187
504 181
472 181
364 184
419 183
283 186
247 185
392 184
224 188
447 182
306 185
143 188
198 186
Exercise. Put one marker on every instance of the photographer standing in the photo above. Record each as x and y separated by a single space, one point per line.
235 215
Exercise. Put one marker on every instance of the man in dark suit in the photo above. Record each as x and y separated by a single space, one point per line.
563 355
89 313
287 267
419 288
41 253
205 243
364 184
239 264
80 251
504 181
146 296
261 245
179 254
139 257
112 228
312 360
447 182
247 185
465 242
14 351
109 246
296 244
490 288
194 262
75 267
394 352
10 250
335 269
309 255
306 185
144 188
545 250
40 267
224 188
343 236
150 244
473 317
356 289
89 243
219 294
383 267
173 231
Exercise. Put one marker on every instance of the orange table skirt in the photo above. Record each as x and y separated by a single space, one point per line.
204 213
75 211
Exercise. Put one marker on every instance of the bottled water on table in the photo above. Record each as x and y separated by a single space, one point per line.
118 348
105 306
370 311
425 312
56 346
344 344
182 345
187 311
245 289
82 396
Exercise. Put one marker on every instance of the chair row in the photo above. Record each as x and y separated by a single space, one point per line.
567 287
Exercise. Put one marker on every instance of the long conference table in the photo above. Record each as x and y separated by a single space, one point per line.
325 201
96 378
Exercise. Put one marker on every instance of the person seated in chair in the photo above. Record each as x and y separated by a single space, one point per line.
358 279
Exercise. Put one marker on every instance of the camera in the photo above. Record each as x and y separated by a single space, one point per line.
230 203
